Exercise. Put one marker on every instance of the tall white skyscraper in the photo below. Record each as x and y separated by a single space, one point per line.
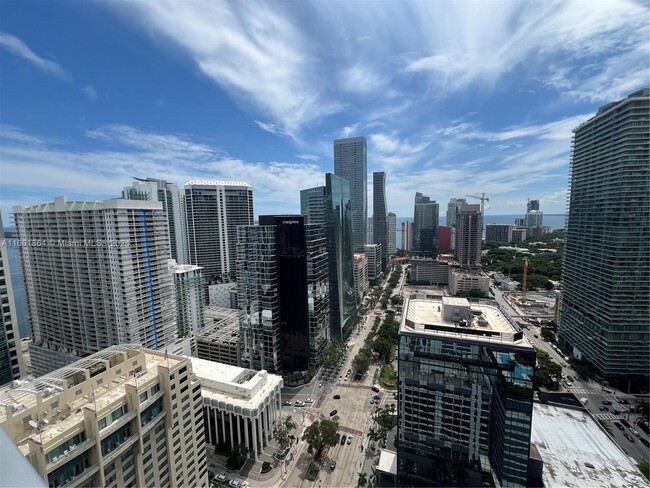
95 275
172 199
351 163
189 293
391 221
213 211
11 356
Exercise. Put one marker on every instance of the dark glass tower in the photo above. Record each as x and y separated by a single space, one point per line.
606 272
379 211
465 381
351 163
425 225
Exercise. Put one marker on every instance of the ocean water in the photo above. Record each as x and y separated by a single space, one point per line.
555 221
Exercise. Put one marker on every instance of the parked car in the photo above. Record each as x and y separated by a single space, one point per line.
337 397
221 478
234 483
333 412
375 389
333 465
343 439
349 439
309 400
606 402
619 426
629 437
286 403
300 403
535 336
372 401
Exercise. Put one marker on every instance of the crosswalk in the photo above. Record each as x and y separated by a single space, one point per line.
584 391
606 416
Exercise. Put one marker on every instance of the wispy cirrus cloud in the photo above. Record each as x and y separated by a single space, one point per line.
18 48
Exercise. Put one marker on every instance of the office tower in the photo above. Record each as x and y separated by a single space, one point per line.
519 221
240 406
465 386
498 232
379 211
425 226
370 231
451 210
446 238
361 275
606 272
373 253
98 277
214 210
532 205
312 204
351 163
407 236
188 293
391 223
11 355
469 233
533 219
172 200
283 293
332 209
124 416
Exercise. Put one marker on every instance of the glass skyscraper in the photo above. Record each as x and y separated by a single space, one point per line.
351 163
606 273
425 225
465 386
379 211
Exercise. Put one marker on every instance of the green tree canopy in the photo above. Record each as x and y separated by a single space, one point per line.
320 435
282 433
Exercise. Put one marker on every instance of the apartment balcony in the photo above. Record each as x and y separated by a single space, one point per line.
77 480
110 456
70 453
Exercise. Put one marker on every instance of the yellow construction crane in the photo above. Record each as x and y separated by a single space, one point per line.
523 283
482 198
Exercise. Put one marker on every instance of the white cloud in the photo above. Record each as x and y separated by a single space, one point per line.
19 48
309 157
363 80
392 152
348 130
275 129
90 92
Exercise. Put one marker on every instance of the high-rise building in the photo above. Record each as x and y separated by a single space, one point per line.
283 295
498 232
11 355
312 204
379 212
351 163
446 237
373 253
451 210
606 271
407 235
519 221
332 209
469 233
532 205
99 277
172 199
370 231
106 420
391 223
533 219
361 275
188 293
465 387
425 226
214 210
519 234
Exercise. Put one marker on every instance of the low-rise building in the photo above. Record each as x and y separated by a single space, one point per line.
241 406
461 280
361 275
124 416
429 272
219 340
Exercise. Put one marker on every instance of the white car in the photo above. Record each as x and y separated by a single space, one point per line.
299 404
309 400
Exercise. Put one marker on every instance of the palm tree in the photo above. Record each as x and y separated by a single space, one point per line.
363 479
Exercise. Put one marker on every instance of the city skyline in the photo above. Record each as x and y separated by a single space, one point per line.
143 90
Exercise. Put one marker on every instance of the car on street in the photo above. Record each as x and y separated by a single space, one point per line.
535 336
606 402
221 478
644 441
337 397
375 389
616 412
309 400
603 409
625 423
333 465
567 382
623 401
300 403
619 426
234 483
635 432
349 440
628 437
372 401
343 439
286 403
333 412
570 378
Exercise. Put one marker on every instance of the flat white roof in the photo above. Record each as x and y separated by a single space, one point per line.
387 462
216 183
567 439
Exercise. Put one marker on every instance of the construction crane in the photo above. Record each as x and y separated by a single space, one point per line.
482 198
523 283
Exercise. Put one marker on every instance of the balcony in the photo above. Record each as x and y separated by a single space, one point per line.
69 454
120 448
76 481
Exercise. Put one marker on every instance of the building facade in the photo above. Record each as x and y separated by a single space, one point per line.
370 230
361 285
11 355
312 204
469 234
425 226
519 234
451 210
391 223
429 272
188 293
606 271
124 416
240 406
373 253
218 341
465 387
462 281
102 278
534 218
379 213
446 238
532 205
407 236
498 232
283 293
351 164
213 211
173 202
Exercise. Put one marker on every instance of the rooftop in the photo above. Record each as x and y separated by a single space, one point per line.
567 439
216 183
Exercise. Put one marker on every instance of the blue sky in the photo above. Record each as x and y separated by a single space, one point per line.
454 98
